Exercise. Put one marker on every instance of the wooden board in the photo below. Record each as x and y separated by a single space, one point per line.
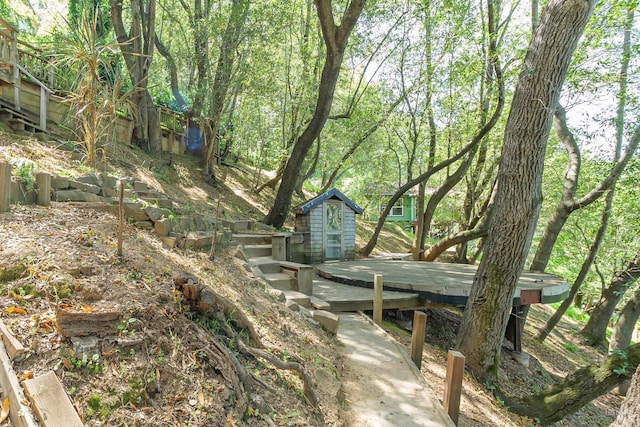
50 401
14 347
19 414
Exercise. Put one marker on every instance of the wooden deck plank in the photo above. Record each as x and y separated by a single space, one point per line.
50 401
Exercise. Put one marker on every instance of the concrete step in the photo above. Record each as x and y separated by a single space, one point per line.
319 304
252 239
268 267
280 281
254 251
298 297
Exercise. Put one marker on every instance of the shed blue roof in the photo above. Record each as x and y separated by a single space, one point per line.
330 194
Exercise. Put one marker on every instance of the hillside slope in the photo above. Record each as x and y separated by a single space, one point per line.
166 364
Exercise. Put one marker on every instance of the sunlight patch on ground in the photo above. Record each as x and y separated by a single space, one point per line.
194 192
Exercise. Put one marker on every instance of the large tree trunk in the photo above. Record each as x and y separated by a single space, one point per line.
519 192
137 50
336 38
596 328
568 203
222 79
579 388
629 414
626 324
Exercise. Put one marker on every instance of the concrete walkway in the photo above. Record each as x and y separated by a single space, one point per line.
383 386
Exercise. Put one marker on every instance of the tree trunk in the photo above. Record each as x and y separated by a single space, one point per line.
626 324
137 50
519 192
629 414
584 270
417 244
222 79
596 328
579 388
173 73
433 169
336 38
480 230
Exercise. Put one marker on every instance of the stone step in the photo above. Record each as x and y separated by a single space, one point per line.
254 251
252 239
319 304
280 281
268 266
298 297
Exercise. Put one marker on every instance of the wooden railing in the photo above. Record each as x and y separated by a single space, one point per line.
20 60
171 120
8 43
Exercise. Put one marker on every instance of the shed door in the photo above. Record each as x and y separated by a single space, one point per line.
333 230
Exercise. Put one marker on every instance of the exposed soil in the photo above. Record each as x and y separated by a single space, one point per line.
160 365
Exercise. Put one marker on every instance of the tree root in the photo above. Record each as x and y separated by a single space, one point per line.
309 391
209 303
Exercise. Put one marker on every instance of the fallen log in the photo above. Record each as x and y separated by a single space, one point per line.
80 323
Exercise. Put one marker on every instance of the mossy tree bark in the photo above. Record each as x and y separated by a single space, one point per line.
579 388
518 194
629 414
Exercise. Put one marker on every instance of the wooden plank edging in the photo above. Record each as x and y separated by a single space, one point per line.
19 414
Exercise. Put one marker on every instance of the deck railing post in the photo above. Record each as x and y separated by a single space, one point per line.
377 299
453 384
417 337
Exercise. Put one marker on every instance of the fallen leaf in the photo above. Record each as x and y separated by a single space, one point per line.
66 362
25 375
14 309
5 410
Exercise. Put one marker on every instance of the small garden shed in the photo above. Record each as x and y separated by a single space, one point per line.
328 223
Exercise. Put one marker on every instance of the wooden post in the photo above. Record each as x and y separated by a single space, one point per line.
215 232
377 299
5 186
417 337
121 217
43 181
453 384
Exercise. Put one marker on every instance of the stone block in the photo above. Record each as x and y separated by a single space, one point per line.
108 181
292 306
76 196
327 319
140 186
92 179
88 346
59 183
163 227
135 211
169 241
19 194
87 188
156 214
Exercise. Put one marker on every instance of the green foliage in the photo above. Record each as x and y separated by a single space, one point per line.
97 95
25 172
91 366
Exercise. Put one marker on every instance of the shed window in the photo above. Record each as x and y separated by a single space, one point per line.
398 208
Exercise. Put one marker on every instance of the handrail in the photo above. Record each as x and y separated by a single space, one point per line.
35 80
8 26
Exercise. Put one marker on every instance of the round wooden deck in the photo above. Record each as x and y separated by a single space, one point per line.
438 283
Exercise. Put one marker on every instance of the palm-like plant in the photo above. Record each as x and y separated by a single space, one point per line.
96 93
